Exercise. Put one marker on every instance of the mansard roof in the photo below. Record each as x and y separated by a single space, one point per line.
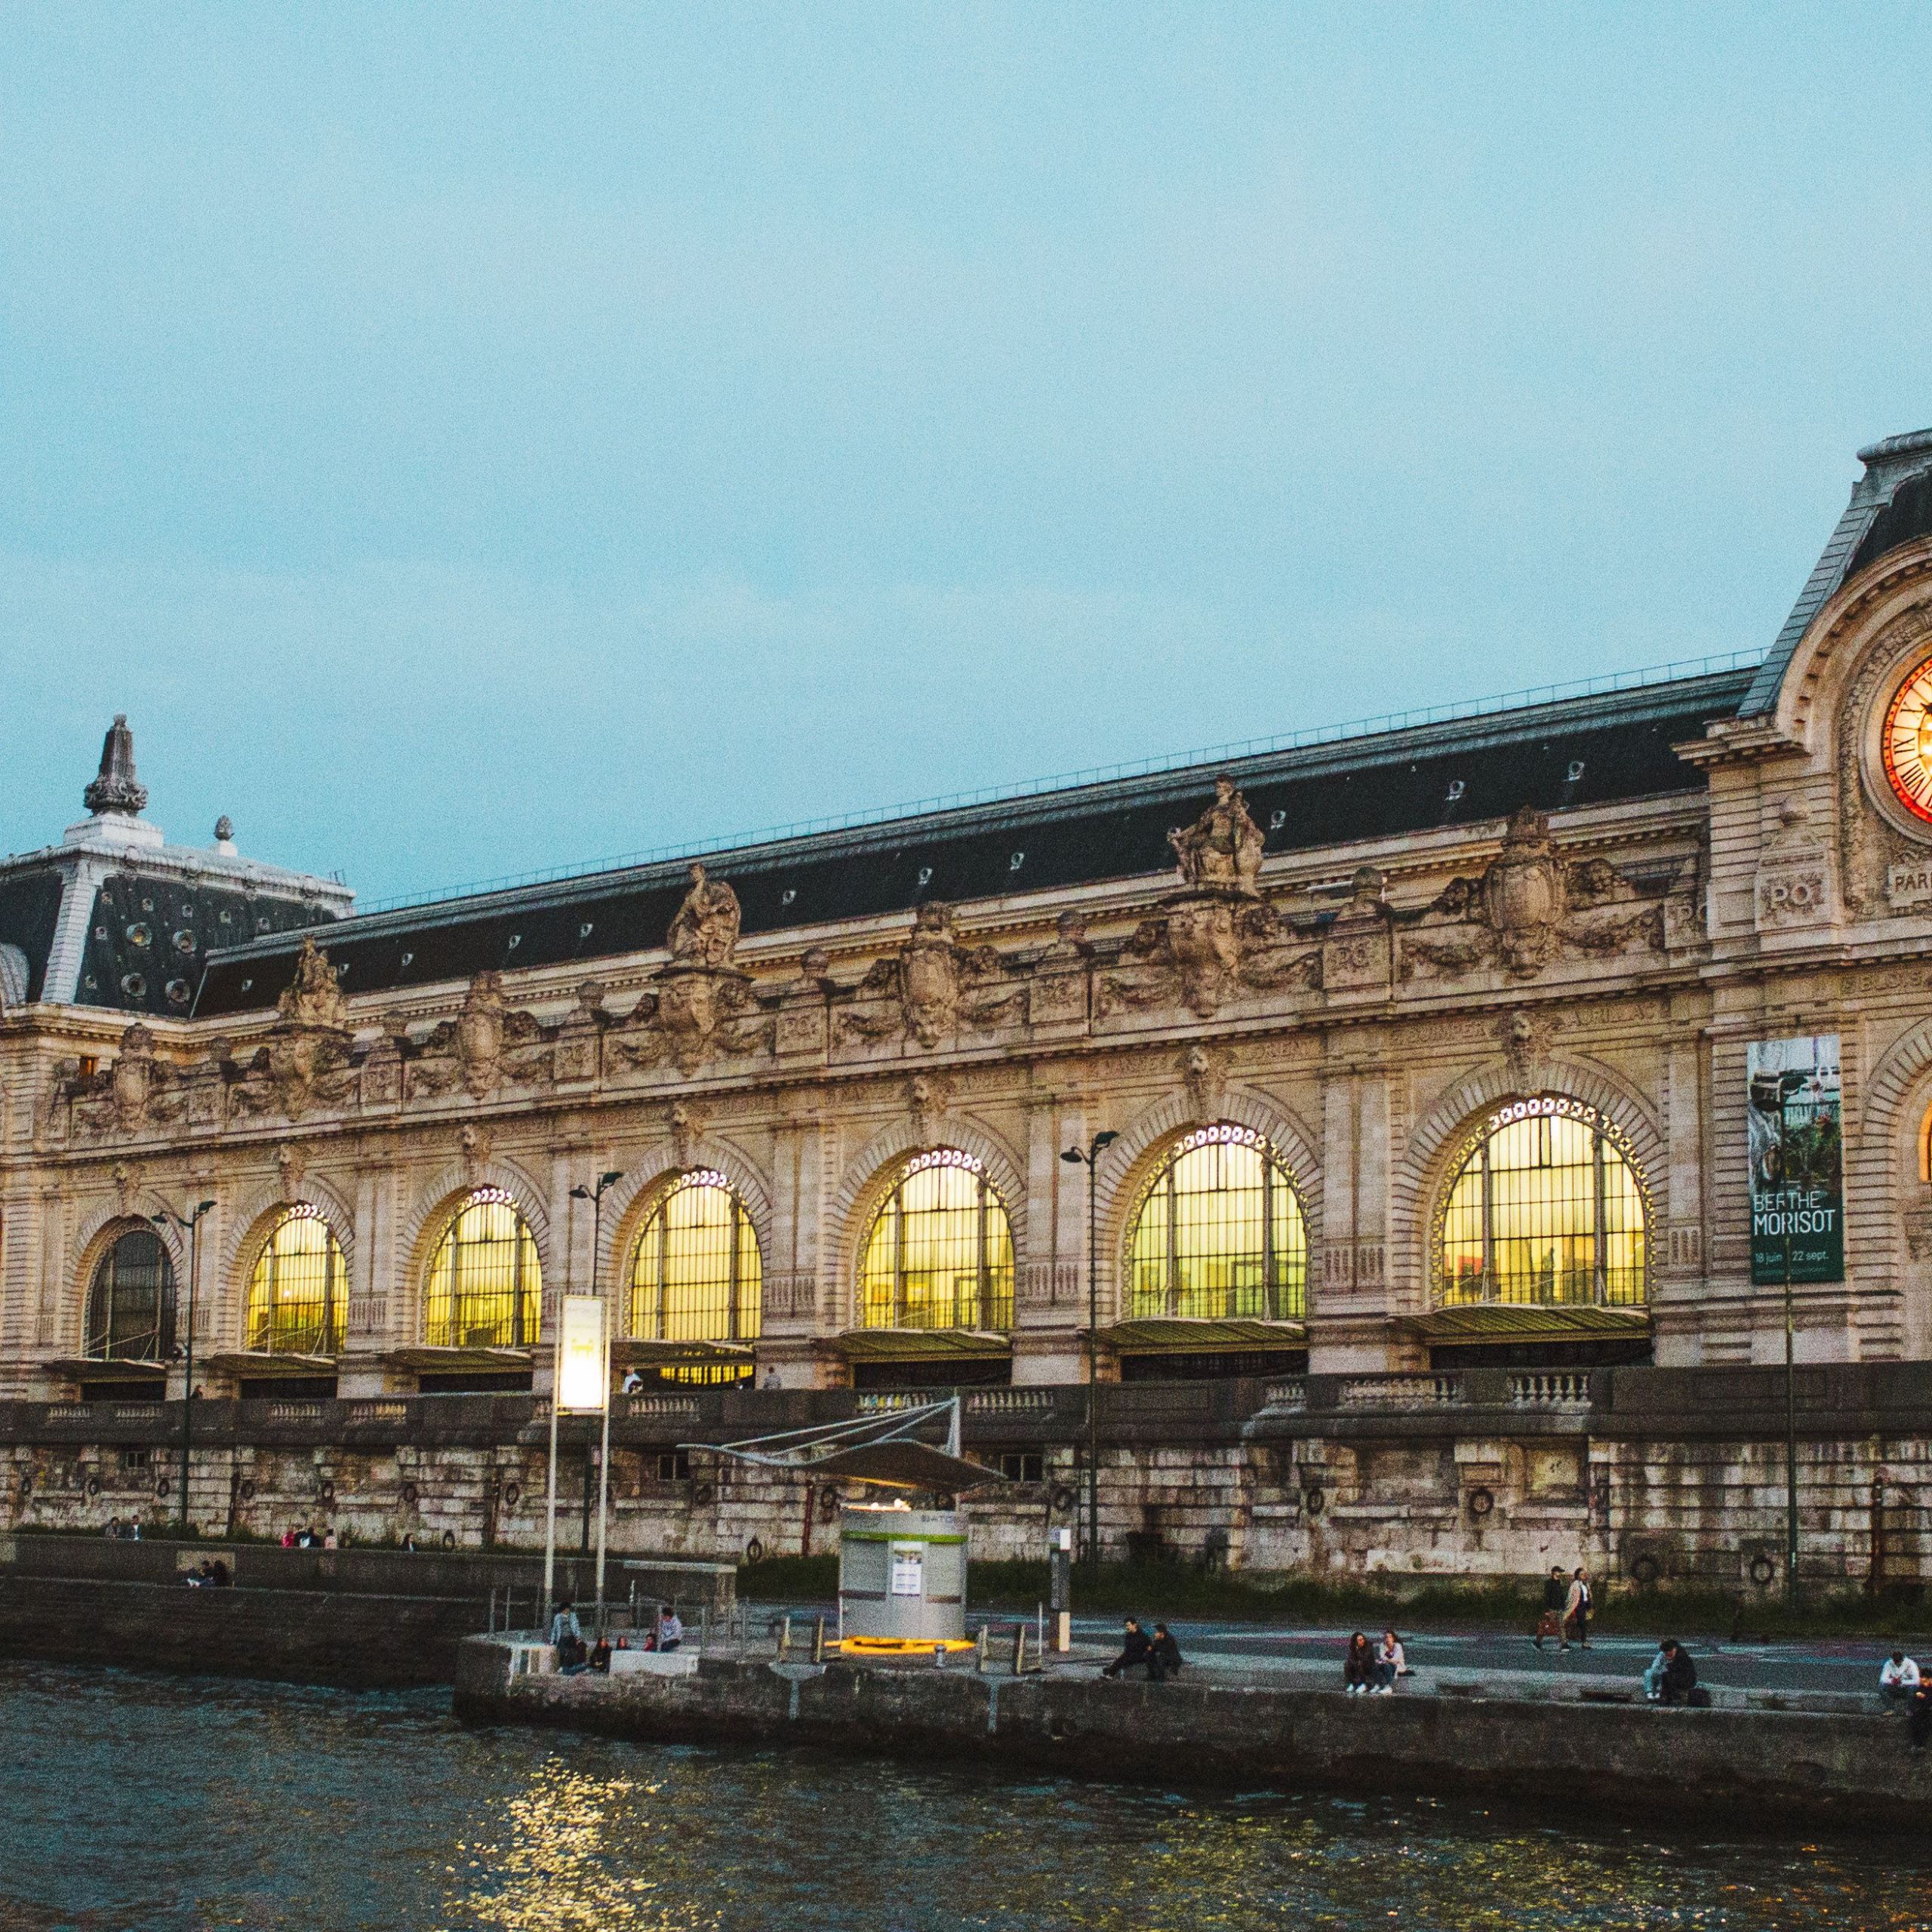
1559 754
1891 504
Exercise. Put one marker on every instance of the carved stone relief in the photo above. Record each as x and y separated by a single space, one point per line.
934 986
1529 908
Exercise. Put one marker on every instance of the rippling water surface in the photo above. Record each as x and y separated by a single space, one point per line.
129 1800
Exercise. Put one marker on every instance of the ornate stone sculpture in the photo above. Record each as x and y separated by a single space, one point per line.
116 789
1207 945
312 998
938 985
1222 846
705 932
1528 907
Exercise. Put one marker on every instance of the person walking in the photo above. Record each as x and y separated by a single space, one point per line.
1359 1666
1576 1609
567 1637
1134 1649
1555 1594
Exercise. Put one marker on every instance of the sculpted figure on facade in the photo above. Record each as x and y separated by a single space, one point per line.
488 1044
937 984
313 997
1222 846
1528 907
705 930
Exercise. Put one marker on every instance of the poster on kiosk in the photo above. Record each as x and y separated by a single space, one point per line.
1797 1151
583 1380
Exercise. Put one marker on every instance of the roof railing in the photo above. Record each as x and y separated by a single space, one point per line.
1317 734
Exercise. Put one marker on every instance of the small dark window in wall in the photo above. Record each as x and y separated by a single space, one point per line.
674 1466
134 1460
1023 1464
89 1065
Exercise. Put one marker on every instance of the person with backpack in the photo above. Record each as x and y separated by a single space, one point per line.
1576 1609
1163 1656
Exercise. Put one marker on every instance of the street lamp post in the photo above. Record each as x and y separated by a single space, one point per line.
189 1224
1790 1369
1090 1158
595 1195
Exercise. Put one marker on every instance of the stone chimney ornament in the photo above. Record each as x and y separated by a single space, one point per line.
116 789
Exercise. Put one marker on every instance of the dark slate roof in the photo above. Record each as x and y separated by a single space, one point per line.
1888 508
29 911
147 935
1572 752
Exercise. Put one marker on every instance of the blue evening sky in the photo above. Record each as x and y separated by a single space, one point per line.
468 439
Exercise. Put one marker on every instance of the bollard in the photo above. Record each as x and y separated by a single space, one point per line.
1020 1649
493 1611
703 1629
818 1642
784 1636
980 1651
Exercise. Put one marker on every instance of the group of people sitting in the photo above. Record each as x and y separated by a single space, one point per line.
1903 1684
1159 1655
212 1575
667 1633
1371 1670
307 1538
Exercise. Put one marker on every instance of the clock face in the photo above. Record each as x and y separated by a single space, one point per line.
1908 743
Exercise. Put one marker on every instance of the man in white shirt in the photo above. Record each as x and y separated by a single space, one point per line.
1898 1678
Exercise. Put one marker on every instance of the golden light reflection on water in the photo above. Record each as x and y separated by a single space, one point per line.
218 1804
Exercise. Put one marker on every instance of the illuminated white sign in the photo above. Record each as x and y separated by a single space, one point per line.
583 1375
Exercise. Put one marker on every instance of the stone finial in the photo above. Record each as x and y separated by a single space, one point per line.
224 835
116 789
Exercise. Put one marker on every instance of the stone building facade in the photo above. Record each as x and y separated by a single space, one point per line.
1408 1072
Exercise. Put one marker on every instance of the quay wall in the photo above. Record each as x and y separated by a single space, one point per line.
1675 1477
1686 1768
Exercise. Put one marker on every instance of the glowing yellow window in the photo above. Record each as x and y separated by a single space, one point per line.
298 1294
1219 1232
1546 1205
940 1252
695 1274
484 1284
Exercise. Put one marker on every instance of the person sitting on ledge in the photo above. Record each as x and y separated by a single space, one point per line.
566 1638
600 1656
670 1629
1898 1678
1918 1718
1670 1676
1391 1662
1359 1666
1163 1659
1135 1649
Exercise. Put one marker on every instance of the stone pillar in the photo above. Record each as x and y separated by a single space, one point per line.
1050 1291
1349 1275
376 1301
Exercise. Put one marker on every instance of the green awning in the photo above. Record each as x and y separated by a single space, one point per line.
427 1361
1175 1334
925 1344
635 1351
1510 1320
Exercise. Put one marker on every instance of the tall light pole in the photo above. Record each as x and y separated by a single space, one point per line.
189 1224
595 1195
1090 1159
1790 1365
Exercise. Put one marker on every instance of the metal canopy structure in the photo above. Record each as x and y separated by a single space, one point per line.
884 1448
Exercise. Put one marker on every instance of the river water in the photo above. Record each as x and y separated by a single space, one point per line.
129 1800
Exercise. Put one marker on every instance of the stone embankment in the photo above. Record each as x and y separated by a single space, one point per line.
1687 1768
356 1617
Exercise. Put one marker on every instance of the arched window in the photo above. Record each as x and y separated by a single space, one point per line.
484 1280
298 1291
1218 1232
694 1274
131 1306
940 1252
1546 1205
